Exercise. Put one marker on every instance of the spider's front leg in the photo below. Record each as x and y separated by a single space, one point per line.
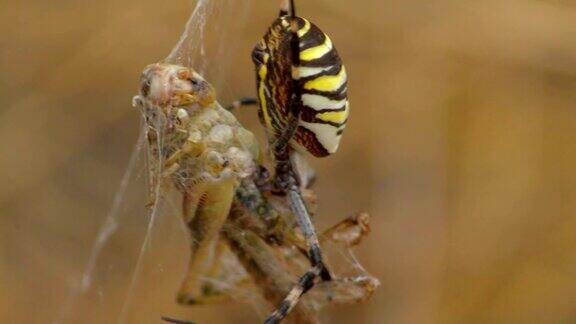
285 180
206 209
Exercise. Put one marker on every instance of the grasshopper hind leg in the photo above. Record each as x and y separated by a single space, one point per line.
204 216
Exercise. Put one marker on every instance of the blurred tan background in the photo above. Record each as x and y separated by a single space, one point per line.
461 145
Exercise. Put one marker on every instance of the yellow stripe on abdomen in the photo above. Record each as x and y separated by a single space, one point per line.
338 117
302 31
327 83
316 52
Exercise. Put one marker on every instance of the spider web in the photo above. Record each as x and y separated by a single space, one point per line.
139 255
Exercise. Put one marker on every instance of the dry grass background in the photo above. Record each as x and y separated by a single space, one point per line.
461 146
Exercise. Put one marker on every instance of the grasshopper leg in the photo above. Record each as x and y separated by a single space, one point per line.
213 201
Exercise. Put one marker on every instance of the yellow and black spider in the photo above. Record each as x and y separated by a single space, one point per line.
303 105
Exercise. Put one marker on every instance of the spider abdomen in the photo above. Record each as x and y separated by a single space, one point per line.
318 77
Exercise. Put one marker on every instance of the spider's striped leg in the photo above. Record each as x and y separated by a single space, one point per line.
286 181
303 218
211 205
304 284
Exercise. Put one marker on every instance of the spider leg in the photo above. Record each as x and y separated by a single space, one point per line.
303 219
304 284
287 7
212 202
244 101
286 181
